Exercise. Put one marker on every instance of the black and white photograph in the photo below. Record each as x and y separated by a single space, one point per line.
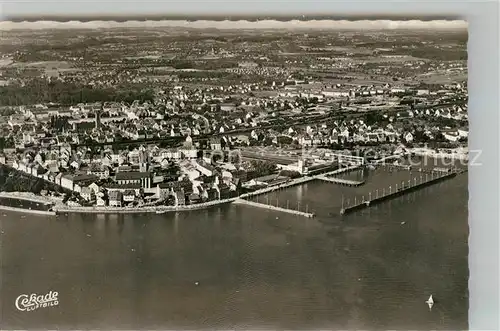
234 172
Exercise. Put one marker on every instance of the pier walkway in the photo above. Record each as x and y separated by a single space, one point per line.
340 171
406 187
340 181
272 188
270 207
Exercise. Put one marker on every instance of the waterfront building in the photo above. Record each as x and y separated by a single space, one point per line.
115 199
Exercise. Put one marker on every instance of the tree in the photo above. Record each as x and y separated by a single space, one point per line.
284 140
263 168
7 111
439 137
373 118
172 172
290 173
420 137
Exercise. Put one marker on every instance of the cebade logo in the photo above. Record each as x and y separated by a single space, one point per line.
31 302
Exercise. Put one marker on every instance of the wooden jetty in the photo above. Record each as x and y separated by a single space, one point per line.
271 207
397 192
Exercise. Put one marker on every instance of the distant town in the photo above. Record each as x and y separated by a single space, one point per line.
173 120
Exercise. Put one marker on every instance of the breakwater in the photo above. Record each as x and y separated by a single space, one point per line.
397 192
276 208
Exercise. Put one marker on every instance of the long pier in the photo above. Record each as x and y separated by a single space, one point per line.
387 194
271 207
272 188
346 182
340 171
393 166
427 170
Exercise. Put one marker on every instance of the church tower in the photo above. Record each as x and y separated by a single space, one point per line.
98 117
143 159
301 168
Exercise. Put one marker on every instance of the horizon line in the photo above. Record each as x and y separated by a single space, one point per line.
225 17
311 24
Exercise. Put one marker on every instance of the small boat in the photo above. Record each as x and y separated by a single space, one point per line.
430 302
160 212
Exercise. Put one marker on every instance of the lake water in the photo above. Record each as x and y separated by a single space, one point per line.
237 266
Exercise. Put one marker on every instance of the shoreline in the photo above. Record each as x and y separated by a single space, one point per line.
58 207
29 211
29 196
139 210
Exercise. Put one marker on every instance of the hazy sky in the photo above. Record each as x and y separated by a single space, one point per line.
127 7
